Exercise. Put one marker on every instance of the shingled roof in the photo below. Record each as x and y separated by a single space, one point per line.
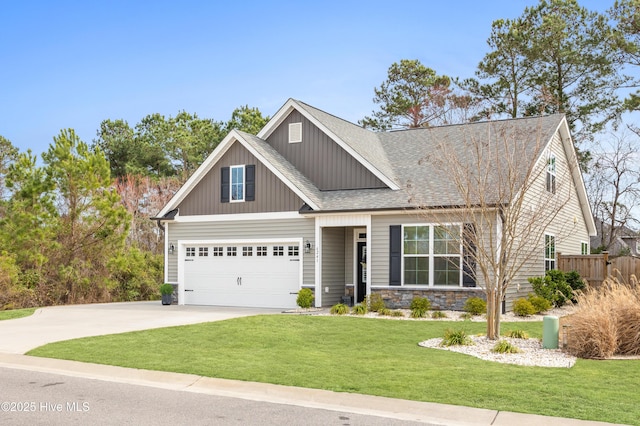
398 153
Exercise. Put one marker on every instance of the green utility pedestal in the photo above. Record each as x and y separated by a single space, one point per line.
550 328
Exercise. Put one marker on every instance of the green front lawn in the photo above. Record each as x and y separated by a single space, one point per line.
16 313
369 356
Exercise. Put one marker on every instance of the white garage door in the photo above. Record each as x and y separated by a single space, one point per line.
252 275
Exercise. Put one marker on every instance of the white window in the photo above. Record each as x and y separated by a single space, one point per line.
295 132
432 255
247 251
261 251
232 251
237 183
218 251
278 250
203 251
549 252
584 248
191 252
293 251
551 173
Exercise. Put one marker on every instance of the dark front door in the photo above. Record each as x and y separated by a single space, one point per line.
362 272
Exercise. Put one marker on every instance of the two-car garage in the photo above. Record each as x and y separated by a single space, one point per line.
240 273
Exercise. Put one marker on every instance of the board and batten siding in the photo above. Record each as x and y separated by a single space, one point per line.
245 230
568 227
271 194
321 159
333 265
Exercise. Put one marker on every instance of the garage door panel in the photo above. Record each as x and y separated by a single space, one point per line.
257 276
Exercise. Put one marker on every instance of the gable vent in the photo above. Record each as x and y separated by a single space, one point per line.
295 132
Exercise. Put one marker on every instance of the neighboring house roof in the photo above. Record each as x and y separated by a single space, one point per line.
625 238
393 157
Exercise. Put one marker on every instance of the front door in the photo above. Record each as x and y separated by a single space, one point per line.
361 290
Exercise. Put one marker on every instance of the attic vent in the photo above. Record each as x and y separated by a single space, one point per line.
295 132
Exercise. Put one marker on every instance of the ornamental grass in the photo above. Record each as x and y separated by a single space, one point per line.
606 321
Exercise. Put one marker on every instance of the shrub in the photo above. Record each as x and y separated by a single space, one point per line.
504 347
375 302
456 338
384 311
475 306
305 298
522 307
556 286
466 316
339 309
539 303
419 307
397 313
166 289
359 309
518 334
438 314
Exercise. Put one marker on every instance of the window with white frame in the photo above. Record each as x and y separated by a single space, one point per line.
549 252
218 251
293 251
237 183
584 248
278 250
203 251
551 173
232 251
191 252
432 255
261 250
247 251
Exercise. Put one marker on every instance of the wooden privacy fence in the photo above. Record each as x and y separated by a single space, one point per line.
594 268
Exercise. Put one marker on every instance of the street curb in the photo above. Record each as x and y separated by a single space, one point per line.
439 414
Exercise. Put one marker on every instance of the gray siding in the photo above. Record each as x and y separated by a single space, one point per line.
321 159
246 230
272 195
333 265
568 226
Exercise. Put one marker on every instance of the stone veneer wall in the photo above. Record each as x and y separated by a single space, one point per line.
450 300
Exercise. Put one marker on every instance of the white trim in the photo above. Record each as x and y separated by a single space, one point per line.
576 173
295 132
431 256
238 217
182 244
244 183
166 252
213 158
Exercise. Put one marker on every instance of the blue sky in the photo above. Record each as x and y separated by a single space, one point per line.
75 63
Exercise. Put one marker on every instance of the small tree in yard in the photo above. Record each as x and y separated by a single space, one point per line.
495 176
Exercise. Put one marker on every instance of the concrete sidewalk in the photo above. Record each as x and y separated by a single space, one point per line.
337 401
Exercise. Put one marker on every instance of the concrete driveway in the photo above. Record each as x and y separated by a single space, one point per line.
55 323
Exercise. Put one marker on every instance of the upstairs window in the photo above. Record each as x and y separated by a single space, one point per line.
237 183
551 173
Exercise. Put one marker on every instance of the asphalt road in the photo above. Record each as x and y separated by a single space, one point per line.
35 398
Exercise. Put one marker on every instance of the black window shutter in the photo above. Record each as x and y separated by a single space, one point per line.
224 185
469 255
250 190
395 255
